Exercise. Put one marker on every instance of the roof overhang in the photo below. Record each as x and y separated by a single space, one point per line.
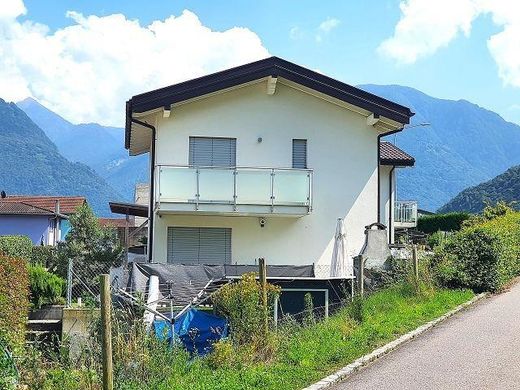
137 210
389 154
390 116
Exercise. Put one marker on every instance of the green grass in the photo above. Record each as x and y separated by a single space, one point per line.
308 354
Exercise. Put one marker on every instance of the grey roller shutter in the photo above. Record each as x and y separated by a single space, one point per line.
299 153
192 245
212 152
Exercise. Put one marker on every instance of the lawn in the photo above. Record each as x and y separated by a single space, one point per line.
306 354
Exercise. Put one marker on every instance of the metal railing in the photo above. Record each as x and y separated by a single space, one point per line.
235 186
405 212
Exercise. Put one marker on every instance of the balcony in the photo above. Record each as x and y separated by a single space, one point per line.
405 214
234 191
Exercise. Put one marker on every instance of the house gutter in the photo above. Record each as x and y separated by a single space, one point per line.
152 185
379 169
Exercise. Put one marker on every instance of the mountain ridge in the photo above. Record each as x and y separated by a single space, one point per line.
504 187
32 164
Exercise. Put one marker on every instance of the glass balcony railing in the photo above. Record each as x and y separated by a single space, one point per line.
405 213
235 186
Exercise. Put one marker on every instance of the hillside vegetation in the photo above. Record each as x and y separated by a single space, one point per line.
463 145
32 165
504 187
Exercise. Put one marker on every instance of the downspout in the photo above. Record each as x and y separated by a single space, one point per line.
379 170
391 205
152 186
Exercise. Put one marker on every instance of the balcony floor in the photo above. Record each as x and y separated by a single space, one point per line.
295 211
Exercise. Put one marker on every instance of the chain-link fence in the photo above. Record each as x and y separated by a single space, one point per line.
83 282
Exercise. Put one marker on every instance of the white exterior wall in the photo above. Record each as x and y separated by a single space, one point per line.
342 151
387 198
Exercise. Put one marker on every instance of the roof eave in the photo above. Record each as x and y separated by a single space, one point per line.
273 66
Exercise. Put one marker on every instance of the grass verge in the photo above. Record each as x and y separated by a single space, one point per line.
307 354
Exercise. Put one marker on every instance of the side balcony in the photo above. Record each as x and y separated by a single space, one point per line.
237 191
405 214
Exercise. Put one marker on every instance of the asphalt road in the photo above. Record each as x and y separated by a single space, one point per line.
476 349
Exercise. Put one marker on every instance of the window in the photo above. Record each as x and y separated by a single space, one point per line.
193 245
299 153
212 152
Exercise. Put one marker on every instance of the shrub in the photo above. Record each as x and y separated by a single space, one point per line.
16 246
46 288
14 300
240 302
483 256
444 222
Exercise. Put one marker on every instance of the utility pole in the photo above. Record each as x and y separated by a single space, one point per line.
106 332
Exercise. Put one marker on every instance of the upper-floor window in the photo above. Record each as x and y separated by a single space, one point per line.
213 152
299 153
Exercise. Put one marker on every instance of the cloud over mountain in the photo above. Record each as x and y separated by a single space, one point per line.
87 70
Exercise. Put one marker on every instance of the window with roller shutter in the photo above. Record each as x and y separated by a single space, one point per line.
299 153
199 245
212 152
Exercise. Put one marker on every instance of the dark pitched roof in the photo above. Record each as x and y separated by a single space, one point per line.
389 154
20 208
68 204
272 66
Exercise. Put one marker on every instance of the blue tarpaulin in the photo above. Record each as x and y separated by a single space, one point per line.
195 329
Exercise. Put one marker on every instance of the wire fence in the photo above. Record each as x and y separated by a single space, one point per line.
83 283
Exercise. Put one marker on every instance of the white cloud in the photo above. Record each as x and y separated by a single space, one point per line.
329 24
86 71
295 33
326 27
426 26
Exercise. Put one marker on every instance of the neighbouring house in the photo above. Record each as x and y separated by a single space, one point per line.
44 219
260 161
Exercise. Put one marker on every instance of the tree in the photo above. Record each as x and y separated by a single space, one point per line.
87 241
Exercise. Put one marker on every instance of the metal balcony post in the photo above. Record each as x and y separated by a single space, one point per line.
197 195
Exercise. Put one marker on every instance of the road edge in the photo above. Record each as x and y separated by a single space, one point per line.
345 372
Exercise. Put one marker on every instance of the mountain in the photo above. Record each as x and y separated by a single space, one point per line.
100 147
32 164
464 145
505 186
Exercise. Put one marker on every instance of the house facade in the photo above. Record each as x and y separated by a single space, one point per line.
261 161
44 219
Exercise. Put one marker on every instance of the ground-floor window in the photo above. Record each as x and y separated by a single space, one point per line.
199 245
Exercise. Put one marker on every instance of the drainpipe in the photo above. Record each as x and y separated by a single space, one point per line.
391 206
379 170
152 186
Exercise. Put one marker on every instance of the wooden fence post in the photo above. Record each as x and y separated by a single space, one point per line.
263 285
415 259
361 274
106 332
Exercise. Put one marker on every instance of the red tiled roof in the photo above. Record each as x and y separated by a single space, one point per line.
68 204
115 222
389 154
19 208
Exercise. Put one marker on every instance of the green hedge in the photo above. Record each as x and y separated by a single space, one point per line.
444 222
484 256
16 246
14 300
46 287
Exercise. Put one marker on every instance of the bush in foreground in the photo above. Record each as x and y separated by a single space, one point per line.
484 255
14 300
46 287
444 222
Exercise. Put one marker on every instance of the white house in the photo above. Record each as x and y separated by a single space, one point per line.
260 161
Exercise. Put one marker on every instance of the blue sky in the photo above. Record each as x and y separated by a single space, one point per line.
460 66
